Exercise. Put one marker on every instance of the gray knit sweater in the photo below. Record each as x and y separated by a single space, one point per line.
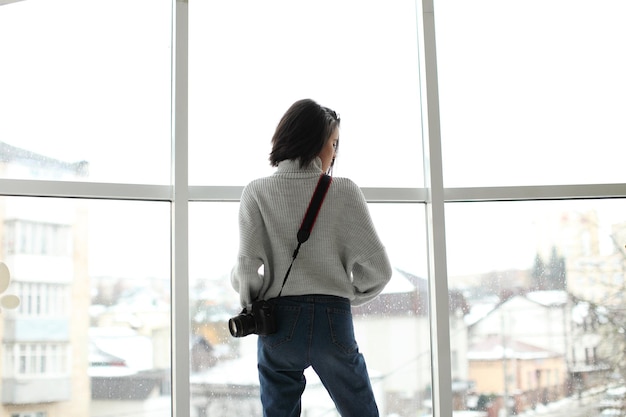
343 256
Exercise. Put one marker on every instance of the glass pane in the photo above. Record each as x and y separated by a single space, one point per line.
542 292
392 331
532 93
249 61
224 380
86 86
91 335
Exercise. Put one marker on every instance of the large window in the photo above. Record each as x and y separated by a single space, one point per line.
249 61
88 87
531 92
128 129
401 314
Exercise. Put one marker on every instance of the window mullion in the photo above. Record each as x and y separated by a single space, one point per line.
180 212
433 176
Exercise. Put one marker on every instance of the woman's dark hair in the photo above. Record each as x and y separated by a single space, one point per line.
302 132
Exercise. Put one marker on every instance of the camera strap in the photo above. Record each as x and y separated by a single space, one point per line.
309 219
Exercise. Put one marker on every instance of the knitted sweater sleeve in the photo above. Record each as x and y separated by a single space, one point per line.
245 276
367 257
370 277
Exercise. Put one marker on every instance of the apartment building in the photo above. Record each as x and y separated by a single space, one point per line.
44 342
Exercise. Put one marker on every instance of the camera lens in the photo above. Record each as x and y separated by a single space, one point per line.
234 325
241 325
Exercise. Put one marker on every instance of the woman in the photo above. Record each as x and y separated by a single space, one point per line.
343 263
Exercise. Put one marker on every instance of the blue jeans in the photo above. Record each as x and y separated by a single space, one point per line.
317 331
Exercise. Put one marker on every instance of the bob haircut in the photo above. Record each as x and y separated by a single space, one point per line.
302 132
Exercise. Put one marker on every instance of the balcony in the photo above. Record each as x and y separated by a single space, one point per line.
35 390
36 329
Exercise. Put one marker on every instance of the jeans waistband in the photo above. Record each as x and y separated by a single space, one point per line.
314 298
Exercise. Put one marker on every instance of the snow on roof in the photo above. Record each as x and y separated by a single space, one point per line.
478 311
497 347
548 298
135 349
400 282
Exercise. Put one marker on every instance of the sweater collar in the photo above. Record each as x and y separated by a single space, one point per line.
292 166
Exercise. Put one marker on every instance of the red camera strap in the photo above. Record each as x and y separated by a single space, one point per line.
314 208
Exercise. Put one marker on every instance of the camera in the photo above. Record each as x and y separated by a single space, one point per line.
260 320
